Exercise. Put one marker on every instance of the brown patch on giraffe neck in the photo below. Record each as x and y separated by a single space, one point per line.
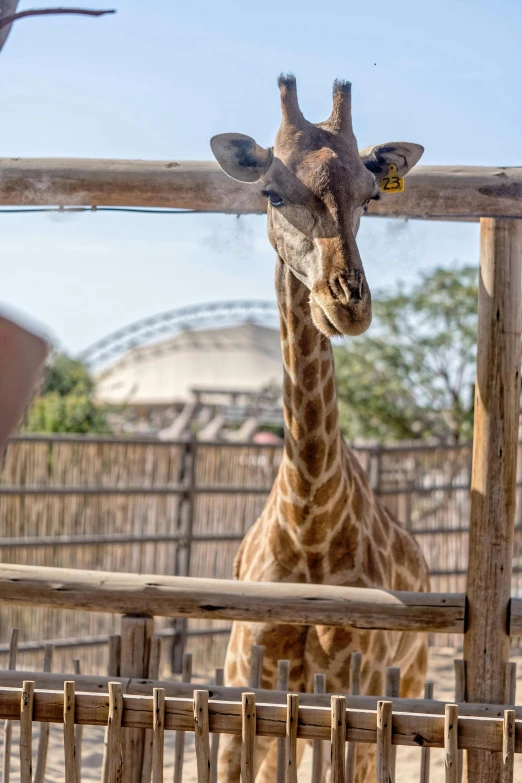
309 386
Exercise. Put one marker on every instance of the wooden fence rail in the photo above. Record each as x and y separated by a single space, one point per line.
449 192
225 599
141 686
225 717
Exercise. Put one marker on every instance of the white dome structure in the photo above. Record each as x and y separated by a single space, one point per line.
243 358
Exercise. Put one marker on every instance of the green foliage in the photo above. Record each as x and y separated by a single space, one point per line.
67 376
411 376
66 400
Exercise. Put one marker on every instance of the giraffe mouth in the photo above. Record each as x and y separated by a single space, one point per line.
335 319
321 320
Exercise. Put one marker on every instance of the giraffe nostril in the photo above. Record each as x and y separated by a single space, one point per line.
356 292
348 288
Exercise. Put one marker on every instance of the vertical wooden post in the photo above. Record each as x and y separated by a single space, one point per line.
497 405
317 745
219 679
113 670
425 752
148 751
179 739
283 676
136 635
187 477
8 726
355 689
460 692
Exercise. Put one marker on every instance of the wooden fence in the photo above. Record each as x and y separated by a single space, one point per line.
178 508
143 714
207 720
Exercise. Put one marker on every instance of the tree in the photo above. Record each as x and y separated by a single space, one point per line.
66 400
411 376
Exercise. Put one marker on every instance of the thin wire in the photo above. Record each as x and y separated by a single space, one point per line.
143 210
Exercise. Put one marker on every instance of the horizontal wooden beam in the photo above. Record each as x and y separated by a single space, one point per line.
223 599
225 717
431 192
88 683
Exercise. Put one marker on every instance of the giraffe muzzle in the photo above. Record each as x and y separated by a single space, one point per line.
341 305
334 319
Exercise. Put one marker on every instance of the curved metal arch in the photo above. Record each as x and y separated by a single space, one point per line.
146 330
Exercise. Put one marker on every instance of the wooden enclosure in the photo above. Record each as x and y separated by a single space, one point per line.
486 614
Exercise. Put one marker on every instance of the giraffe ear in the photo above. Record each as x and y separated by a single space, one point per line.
240 157
404 154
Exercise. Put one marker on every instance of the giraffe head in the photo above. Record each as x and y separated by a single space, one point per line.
318 184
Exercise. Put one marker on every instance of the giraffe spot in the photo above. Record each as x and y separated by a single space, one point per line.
330 421
379 526
310 375
338 639
315 563
306 343
331 517
378 537
294 321
283 486
298 397
325 367
290 513
298 484
401 581
358 503
312 453
375 685
343 549
313 414
294 286
316 652
371 564
287 385
329 391
379 647
332 454
398 548
364 644
289 447
283 550
327 490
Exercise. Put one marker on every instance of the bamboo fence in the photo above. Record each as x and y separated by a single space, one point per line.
181 508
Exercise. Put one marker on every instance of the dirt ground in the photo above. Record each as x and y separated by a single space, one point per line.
408 759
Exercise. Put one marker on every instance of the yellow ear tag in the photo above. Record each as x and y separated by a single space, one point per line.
392 183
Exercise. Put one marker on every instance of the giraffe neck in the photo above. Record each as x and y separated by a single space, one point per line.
314 471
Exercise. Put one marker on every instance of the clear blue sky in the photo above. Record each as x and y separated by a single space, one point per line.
157 80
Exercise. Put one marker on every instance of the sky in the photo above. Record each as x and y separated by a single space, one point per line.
157 80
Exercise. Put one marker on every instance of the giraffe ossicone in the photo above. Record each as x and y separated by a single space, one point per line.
322 523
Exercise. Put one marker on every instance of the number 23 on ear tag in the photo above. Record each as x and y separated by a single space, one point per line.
392 183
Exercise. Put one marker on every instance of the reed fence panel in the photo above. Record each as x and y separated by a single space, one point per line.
178 508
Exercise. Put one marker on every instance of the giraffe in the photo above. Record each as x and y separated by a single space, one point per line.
321 523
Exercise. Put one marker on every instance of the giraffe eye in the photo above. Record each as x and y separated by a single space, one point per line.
274 198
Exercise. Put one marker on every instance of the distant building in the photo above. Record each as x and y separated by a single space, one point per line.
208 380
